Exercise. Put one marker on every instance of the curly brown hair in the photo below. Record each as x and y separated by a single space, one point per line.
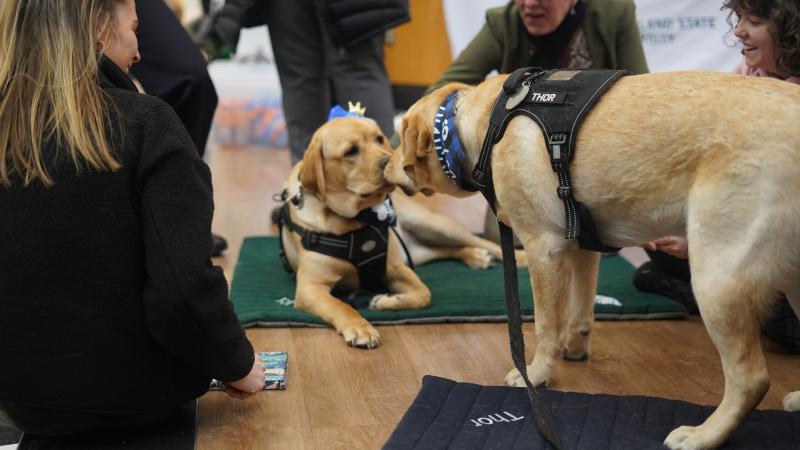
783 17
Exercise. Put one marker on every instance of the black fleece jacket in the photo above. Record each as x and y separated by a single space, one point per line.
348 21
108 298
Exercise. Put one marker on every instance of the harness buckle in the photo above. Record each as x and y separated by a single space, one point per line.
311 239
564 192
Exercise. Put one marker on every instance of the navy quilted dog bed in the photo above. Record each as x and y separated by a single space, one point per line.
450 415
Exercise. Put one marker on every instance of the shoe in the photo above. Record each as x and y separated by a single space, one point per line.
220 244
649 278
784 328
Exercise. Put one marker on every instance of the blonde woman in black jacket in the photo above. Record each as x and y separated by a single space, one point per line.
110 310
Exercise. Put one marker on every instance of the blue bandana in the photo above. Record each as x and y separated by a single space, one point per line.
448 146
379 215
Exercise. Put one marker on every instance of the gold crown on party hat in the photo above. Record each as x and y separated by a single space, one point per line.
356 108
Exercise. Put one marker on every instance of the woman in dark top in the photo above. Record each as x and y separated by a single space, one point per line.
110 309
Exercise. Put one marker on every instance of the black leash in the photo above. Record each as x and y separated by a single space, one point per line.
542 414
557 101
482 175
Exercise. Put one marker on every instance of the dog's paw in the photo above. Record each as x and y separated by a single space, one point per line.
514 378
396 302
578 345
381 301
692 438
574 356
678 436
791 402
361 335
476 257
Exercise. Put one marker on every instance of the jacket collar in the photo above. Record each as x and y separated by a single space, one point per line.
111 76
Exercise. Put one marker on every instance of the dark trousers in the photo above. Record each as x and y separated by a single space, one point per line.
173 69
315 74
781 326
673 266
50 423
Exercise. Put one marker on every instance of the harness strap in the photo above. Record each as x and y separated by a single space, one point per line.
282 217
313 240
564 192
371 271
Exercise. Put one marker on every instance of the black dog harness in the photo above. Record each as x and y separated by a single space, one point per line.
558 101
366 248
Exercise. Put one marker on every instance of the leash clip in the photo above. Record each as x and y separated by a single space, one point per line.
518 96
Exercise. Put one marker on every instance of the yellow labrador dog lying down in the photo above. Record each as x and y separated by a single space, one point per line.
713 157
341 174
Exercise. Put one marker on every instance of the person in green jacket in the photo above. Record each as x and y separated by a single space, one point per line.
551 34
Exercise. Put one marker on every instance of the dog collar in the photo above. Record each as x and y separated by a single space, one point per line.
379 215
448 146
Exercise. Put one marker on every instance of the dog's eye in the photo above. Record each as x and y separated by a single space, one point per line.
379 139
352 151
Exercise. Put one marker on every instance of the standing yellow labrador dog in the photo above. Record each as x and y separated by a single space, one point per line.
713 157
341 174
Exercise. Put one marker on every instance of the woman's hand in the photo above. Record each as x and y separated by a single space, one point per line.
676 246
250 384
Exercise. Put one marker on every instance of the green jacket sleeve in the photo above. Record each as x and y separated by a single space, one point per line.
481 56
630 54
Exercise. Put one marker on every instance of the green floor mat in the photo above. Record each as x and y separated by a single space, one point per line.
262 293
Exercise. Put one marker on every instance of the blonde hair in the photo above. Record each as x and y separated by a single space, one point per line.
48 86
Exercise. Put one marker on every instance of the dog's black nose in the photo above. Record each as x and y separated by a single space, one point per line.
384 162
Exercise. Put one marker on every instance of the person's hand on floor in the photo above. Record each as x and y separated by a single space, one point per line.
676 246
250 384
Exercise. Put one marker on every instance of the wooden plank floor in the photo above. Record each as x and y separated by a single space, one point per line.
339 397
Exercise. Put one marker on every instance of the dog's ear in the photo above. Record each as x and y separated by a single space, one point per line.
312 173
416 141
